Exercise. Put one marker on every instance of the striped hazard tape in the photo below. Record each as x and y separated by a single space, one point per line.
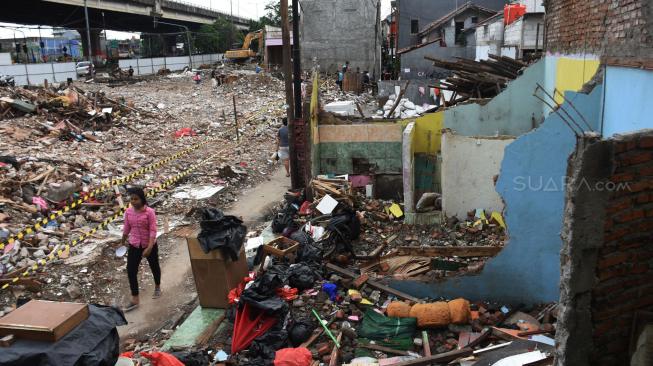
74 242
42 223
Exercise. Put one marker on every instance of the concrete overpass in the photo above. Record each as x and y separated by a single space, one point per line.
119 15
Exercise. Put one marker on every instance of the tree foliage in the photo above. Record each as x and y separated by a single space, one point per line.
272 16
217 37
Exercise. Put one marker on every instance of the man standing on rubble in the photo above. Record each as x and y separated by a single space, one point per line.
283 148
140 231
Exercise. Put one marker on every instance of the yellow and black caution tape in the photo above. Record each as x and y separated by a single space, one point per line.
42 223
74 242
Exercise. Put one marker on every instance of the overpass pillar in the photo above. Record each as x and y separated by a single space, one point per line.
98 52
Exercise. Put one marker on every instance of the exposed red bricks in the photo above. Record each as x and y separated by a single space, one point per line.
624 270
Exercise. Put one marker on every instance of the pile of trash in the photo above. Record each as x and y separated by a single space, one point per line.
68 110
309 299
42 172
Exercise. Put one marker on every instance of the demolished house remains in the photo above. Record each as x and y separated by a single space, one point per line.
492 207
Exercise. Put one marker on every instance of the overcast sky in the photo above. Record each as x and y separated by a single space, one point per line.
244 8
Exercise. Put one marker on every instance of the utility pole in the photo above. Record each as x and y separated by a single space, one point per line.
88 32
106 39
296 60
287 76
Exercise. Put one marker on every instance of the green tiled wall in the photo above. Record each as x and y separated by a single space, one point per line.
336 157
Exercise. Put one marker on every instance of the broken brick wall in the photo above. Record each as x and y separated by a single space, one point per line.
607 275
625 266
610 28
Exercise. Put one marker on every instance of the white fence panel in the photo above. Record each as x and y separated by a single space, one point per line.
35 74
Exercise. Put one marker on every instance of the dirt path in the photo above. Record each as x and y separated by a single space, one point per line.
177 283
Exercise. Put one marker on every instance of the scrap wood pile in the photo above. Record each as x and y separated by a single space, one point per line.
339 189
477 79
385 246
67 111
311 301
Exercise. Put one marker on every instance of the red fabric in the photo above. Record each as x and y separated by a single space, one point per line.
293 357
162 359
186 131
234 293
305 208
247 327
287 293
513 12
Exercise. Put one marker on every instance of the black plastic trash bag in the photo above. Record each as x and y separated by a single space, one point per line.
300 331
309 253
283 219
302 276
196 358
94 342
226 233
263 350
262 295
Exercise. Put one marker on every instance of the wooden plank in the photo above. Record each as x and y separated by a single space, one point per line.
374 284
464 252
383 349
316 334
335 352
439 358
485 333
426 344
7 340
205 336
398 100
46 321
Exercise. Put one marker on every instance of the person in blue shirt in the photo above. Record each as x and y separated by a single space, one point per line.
283 147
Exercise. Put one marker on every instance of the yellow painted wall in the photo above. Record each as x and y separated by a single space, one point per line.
428 123
314 108
572 73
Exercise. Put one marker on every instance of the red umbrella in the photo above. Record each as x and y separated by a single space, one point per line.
247 329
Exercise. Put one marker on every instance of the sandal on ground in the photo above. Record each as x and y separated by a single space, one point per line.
157 294
130 307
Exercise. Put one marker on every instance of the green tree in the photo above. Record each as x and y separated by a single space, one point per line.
217 37
272 16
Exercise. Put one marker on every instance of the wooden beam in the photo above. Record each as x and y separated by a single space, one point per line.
374 284
205 336
439 358
335 352
383 349
464 252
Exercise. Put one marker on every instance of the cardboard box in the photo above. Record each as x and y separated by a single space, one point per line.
46 321
214 275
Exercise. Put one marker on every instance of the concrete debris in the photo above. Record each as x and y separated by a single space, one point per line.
81 138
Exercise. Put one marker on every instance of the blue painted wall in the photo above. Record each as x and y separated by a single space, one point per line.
628 97
509 113
531 184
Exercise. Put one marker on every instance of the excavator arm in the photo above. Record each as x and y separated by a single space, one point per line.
245 51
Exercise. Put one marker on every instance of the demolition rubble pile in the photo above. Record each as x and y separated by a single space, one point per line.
71 142
398 107
477 79
308 300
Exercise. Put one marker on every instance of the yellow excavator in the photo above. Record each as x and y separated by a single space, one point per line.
245 52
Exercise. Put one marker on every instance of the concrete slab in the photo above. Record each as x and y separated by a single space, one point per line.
426 218
192 327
